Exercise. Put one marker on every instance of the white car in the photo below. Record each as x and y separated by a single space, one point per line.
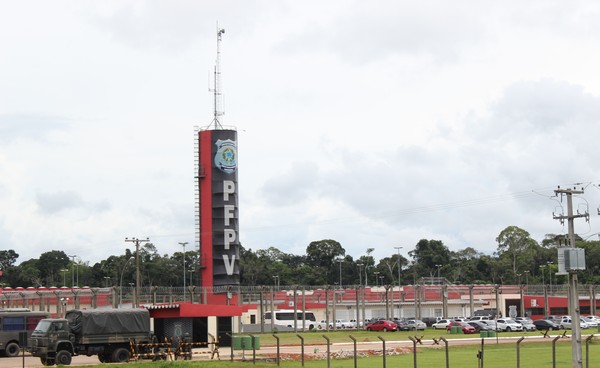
346 324
567 324
324 325
507 324
441 324
591 322
353 321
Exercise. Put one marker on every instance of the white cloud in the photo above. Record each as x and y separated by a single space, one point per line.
375 124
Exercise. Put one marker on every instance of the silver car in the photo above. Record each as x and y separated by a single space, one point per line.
416 324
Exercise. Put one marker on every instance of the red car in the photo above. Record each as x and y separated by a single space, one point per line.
382 325
466 328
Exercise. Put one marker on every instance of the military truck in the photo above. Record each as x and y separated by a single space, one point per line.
103 332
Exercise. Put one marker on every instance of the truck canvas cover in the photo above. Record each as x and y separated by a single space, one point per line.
108 321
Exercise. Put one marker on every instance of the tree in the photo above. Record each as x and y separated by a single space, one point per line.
322 254
514 242
388 267
50 264
428 254
7 258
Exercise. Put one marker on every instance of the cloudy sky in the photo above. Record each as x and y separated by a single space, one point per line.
373 123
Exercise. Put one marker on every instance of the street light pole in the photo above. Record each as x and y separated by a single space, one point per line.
399 298
184 286
121 281
359 273
438 270
64 271
73 271
340 260
376 278
550 263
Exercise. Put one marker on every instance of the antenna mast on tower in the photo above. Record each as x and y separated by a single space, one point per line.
216 90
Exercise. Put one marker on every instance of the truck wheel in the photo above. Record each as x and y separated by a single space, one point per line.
63 357
47 361
121 355
12 349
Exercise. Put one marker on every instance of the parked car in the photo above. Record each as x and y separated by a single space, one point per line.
441 324
323 324
480 326
346 324
479 318
507 324
566 323
466 328
359 324
591 322
492 324
403 325
416 324
382 325
545 324
527 325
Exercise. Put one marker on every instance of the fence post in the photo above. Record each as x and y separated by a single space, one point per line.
481 354
447 354
277 338
554 351
230 335
414 351
328 351
519 352
301 346
587 350
383 340
253 349
353 339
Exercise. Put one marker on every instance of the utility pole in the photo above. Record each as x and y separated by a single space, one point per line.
576 354
137 266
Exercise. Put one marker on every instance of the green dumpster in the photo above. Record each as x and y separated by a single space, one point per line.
236 342
256 342
483 333
456 330
491 334
246 342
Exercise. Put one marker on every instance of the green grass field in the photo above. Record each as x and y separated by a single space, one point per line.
503 355
537 355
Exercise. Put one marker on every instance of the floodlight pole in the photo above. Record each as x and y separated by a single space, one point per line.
184 286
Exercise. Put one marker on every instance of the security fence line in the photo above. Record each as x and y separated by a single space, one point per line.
416 341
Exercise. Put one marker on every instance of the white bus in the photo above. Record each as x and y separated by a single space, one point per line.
286 318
